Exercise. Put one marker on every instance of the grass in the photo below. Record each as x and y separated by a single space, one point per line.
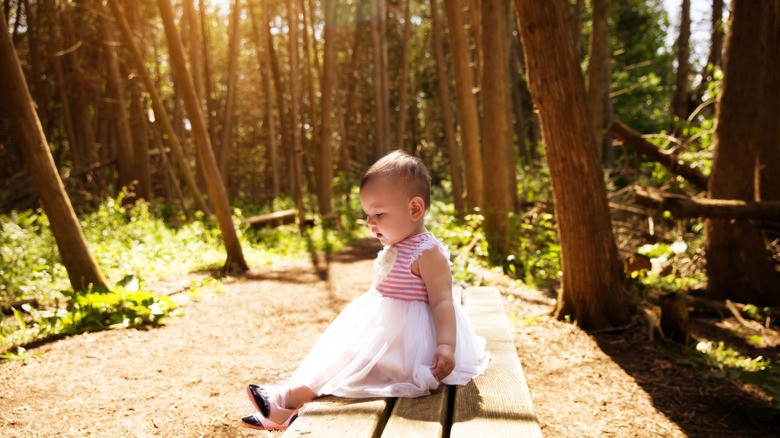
130 246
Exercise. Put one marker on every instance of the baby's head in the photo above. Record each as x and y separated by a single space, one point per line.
403 172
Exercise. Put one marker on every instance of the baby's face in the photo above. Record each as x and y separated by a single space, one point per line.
389 211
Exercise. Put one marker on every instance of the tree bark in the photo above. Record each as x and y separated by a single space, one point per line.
738 265
466 105
446 110
235 257
592 289
497 200
598 69
633 139
382 104
83 270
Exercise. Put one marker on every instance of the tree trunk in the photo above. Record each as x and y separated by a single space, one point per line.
138 115
159 108
194 46
737 261
598 69
82 268
592 290
497 200
715 58
125 159
226 142
325 149
467 106
297 162
446 110
400 140
235 257
272 161
680 105
382 104
576 25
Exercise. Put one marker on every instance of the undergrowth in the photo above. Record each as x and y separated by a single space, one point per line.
130 245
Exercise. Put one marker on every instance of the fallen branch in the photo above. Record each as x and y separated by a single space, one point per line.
669 160
685 207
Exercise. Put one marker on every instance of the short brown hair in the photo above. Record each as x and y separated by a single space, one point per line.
399 165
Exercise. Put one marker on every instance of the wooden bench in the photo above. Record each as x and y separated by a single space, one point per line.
496 404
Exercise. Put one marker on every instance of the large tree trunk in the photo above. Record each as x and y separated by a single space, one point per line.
159 107
737 261
235 257
82 268
467 106
446 109
497 200
598 70
680 105
592 289
325 150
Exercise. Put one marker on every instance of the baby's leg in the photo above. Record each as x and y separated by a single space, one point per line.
297 395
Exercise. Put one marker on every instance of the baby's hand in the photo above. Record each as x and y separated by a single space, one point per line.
443 361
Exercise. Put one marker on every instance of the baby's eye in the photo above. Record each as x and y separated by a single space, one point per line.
379 214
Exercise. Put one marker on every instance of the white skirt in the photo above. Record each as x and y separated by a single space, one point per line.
383 347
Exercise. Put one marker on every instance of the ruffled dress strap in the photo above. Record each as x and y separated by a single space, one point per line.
429 241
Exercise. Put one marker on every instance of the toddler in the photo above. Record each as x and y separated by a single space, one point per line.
403 337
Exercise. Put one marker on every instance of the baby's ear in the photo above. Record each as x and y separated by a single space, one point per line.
417 208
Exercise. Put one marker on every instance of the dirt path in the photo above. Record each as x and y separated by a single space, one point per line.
187 378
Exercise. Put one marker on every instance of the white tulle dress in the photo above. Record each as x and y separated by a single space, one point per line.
382 343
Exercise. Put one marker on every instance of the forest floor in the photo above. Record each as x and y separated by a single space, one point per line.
187 378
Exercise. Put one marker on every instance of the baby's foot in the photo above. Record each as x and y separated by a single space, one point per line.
270 402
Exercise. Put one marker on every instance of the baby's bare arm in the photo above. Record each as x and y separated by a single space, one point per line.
435 272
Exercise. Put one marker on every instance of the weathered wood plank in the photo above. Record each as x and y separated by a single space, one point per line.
336 417
497 404
421 416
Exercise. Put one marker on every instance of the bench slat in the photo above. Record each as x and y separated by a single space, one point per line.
421 416
497 404
340 418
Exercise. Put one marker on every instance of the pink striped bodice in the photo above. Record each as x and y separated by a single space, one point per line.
393 275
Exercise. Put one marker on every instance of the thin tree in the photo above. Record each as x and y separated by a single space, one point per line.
746 146
466 105
446 110
83 270
497 203
382 104
295 104
592 289
158 106
598 70
235 256
226 142
324 160
404 81
715 57
680 104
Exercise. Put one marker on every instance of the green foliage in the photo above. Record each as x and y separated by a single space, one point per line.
730 364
